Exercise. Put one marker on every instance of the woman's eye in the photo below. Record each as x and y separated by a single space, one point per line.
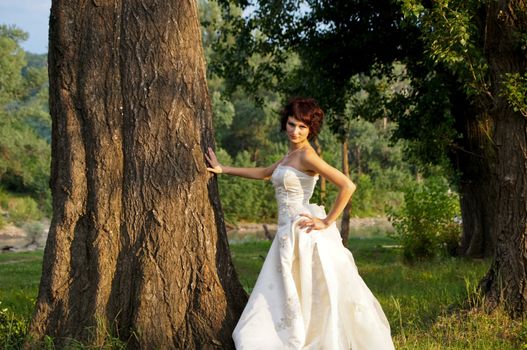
294 126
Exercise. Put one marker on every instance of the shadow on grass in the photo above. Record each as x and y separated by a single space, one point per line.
428 304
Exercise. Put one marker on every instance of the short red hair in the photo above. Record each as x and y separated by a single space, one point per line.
305 110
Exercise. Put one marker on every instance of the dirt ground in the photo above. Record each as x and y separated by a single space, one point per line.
254 230
26 238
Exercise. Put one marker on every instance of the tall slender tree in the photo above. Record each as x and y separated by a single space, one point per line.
137 245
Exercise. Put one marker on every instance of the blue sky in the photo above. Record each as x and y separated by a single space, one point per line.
32 16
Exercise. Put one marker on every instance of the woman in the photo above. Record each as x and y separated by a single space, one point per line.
309 294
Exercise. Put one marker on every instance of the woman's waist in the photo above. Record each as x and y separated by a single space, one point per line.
288 215
292 209
292 206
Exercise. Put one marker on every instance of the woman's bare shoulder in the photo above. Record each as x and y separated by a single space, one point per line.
311 161
309 155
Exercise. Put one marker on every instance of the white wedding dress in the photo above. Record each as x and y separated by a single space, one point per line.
309 294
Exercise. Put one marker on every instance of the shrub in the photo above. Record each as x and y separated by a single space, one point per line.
23 209
426 224
363 197
12 330
34 230
243 199
4 199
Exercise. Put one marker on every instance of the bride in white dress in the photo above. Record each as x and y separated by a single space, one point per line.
309 294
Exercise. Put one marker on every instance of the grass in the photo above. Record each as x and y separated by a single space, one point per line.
19 279
426 303
423 302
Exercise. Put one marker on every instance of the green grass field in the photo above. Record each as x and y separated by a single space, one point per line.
426 303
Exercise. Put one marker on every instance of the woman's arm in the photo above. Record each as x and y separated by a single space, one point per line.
251 173
311 161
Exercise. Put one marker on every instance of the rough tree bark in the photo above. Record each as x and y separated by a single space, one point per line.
137 245
473 158
478 201
506 281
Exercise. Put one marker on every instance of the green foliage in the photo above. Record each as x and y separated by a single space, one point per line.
426 223
377 166
211 22
23 209
25 124
223 114
24 165
243 199
422 302
34 230
18 209
452 38
12 60
255 53
515 86
364 198
426 119
12 329
257 49
250 128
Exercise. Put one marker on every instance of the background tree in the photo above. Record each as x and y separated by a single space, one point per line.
478 47
24 131
137 245
468 66
367 33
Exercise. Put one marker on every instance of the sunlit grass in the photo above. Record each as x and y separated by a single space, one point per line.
19 279
426 303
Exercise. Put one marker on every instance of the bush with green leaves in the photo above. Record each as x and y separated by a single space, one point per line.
12 329
25 123
244 199
22 209
427 224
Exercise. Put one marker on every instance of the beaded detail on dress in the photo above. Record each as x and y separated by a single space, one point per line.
292 193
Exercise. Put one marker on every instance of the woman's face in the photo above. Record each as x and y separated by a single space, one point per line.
296 130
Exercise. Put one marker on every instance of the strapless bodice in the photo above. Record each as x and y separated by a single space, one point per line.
293 189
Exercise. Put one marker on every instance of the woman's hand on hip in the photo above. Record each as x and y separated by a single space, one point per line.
312 223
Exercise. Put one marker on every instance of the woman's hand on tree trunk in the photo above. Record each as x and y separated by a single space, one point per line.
215 166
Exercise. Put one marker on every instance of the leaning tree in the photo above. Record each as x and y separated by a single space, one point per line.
137 246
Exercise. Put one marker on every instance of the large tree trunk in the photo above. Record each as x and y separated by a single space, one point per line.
473 158
137 246
506 280
478 208
345 221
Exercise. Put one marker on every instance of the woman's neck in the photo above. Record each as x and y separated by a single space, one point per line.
293 147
